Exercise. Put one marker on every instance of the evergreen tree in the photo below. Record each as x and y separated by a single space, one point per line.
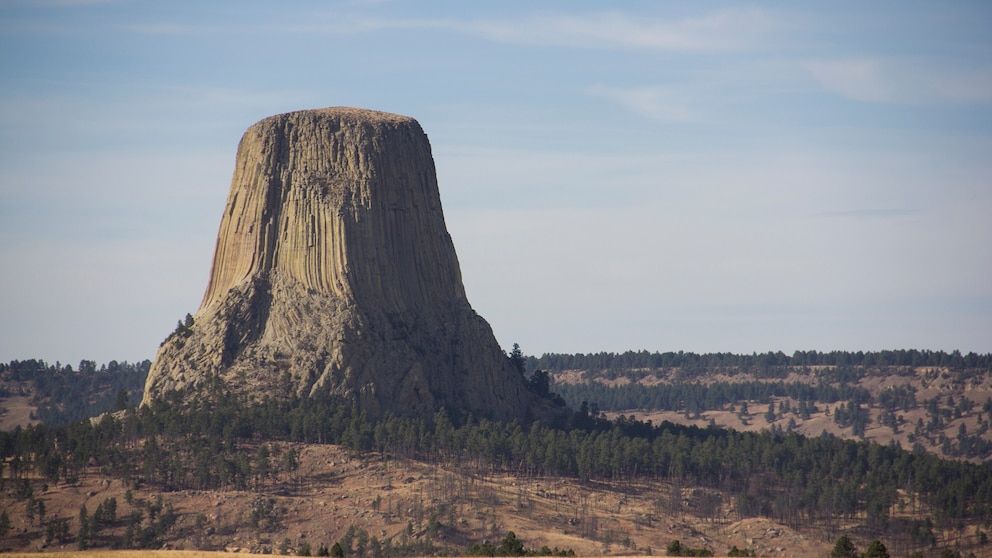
84 537
57 529
511 545
4 524
876 550
844 548
40 511
122 400
518 360
540 383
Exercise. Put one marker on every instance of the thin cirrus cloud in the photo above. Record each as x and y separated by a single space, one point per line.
871 213
68 3
656 102
717 31
336 25
721 30
877 80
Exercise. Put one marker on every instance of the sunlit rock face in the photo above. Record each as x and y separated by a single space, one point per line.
334 273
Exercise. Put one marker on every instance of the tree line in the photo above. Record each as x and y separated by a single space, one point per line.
696 397
756 361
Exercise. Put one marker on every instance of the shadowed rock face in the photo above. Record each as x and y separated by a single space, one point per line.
334 273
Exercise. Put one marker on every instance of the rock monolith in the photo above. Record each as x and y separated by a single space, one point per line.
334 274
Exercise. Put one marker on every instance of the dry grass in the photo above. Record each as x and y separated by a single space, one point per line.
929 383
335 489
120 554
16 411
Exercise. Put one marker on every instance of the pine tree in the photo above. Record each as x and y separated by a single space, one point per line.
844 548
85 533
876 550
518 360
122 400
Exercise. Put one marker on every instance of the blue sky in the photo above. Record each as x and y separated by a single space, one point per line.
696 176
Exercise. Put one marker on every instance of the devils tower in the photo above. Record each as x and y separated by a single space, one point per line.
334 274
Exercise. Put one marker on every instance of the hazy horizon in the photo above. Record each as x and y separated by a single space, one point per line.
711 177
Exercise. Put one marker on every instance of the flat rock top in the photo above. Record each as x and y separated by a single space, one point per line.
348 114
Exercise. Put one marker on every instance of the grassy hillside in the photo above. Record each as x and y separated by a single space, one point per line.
34 391
943 410
419 508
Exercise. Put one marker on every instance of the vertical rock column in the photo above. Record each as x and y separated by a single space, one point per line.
334 273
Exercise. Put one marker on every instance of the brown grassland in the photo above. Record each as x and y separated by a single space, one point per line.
409 502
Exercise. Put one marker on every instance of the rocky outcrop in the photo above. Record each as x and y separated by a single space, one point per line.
334 274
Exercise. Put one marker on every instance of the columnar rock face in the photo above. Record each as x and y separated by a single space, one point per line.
334 273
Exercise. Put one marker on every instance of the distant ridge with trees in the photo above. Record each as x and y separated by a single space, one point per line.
689 360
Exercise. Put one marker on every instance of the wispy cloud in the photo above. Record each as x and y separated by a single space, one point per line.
658 102
872 213
165 28
858 79
968 86
316 25
719 30
878 80
69 3
138 106
716 31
